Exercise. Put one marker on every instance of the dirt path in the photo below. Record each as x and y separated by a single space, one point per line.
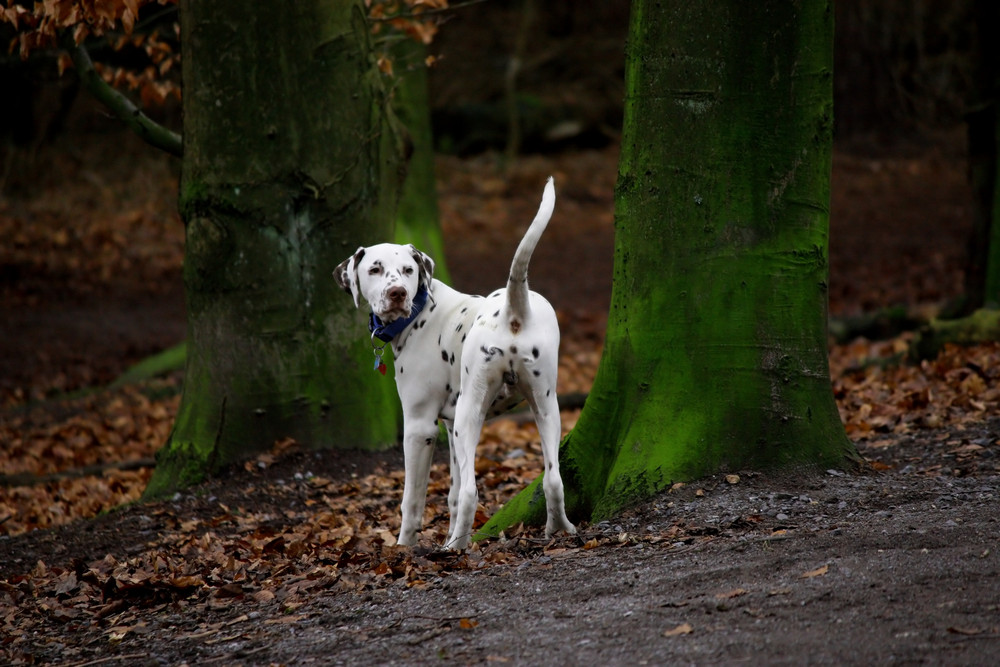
898 567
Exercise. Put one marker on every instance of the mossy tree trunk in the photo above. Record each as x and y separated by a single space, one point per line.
716 352
290 162
417 219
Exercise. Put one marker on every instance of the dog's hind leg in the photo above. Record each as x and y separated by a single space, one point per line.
419 439
545 407
470 413
456 479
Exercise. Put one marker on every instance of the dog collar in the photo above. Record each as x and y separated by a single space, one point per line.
386 332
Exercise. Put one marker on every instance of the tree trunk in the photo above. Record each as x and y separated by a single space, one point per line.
982 272
716 353
417 219
289 164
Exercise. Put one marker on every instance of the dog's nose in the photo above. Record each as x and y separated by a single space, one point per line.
396 294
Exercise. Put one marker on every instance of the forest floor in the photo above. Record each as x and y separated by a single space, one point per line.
289 558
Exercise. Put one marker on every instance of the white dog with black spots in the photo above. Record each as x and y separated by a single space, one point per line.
461 358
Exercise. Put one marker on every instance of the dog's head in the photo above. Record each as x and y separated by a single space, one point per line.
388 276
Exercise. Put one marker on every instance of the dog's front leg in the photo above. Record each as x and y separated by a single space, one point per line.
418 452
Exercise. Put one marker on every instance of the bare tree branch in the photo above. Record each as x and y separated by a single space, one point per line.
151 132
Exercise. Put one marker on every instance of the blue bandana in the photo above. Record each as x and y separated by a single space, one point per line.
386 332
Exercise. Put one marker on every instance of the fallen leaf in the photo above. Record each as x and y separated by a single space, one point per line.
467 623
818 572
732 479
682 629
728 595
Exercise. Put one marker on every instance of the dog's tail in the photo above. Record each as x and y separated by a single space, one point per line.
517 284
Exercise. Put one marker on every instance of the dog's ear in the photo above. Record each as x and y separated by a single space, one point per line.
425 266
346 275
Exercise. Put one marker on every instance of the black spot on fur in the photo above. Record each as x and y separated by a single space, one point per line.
463 337
549 466
497 293
536 373
452 360
433 306
490 352
466 370
439 339
548 392
447 388
496 314
429 441
464 309
444 355
459 327
534 352
510 377
513 349
400 370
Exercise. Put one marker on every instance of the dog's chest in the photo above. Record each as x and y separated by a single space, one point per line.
429 360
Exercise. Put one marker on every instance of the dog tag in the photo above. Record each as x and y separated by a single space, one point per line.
380 366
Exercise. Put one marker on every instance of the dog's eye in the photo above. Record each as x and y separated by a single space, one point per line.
408 270
375 270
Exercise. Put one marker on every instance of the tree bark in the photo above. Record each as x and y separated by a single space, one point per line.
417 219
716 352
982 272
290 163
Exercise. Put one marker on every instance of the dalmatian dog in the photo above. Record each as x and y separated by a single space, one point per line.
461 358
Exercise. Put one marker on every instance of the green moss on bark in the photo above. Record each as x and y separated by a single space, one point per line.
290 162
715 356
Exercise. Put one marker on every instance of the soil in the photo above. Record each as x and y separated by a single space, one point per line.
896 566
800 568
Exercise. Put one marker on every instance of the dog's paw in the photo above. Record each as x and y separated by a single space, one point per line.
554 527
457 545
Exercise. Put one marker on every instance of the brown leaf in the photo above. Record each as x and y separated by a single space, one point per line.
263 596
818 572
728 595
682 629
229 591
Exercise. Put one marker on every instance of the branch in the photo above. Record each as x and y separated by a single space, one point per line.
425 12
151 132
